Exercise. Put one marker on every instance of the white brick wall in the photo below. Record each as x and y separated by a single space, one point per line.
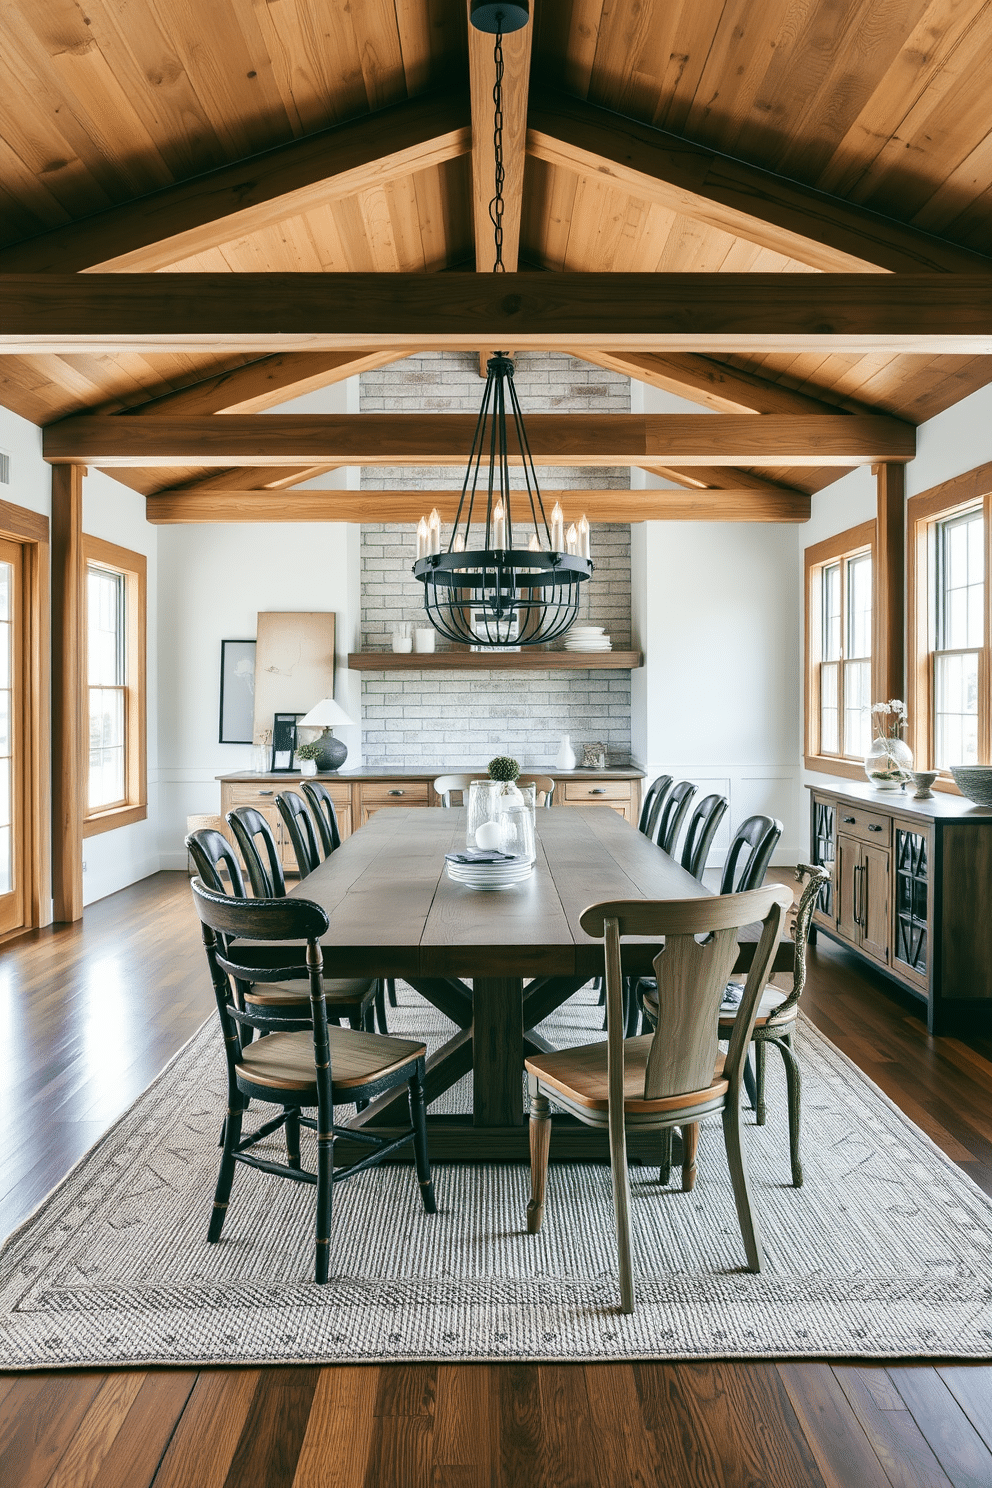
461 717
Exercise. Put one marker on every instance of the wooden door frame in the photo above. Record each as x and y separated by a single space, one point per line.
30 530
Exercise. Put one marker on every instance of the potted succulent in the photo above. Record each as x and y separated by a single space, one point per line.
307 754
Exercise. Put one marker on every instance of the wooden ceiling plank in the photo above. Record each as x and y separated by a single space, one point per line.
718 478
179 221
265 383
921 313
824 232
389 439
712 383
409 506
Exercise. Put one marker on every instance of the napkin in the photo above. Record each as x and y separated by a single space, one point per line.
480 855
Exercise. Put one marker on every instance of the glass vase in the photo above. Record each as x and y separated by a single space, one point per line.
481 809
516 808
888 763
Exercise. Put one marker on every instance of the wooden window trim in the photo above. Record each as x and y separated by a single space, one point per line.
818 556
134 567
31 530
946 500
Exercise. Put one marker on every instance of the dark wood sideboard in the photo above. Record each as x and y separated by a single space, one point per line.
911 892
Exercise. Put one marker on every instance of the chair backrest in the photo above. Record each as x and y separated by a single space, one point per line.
701 946
210 851
248 825
544 786
649 798
445 784
699 834
302 834
800 935
324 814
673 814
750 853
649 820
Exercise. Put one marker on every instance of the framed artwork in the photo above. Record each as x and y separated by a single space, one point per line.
284 742
294 664
237 691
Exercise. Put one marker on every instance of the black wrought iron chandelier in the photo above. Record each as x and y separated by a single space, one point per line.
498 585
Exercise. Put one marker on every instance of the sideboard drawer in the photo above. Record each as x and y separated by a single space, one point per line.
396 793
588 792
236 794
867 826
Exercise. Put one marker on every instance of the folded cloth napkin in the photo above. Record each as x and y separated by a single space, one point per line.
481 855
732 994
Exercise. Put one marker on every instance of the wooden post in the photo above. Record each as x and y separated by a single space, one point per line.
68 691
888 640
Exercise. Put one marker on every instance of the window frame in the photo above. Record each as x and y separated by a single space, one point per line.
133 569
851 543
924 513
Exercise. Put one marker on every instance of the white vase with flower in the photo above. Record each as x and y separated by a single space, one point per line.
889 761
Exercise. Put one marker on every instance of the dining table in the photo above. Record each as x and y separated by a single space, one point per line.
496 964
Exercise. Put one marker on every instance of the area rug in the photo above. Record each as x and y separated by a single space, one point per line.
884 1253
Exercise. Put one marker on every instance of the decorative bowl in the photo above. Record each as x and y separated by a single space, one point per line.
975 782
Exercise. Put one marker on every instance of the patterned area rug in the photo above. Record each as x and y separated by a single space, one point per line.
884 1253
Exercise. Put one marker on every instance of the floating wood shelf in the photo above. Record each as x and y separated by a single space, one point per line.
487 661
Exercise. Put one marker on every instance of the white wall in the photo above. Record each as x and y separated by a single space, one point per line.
30 478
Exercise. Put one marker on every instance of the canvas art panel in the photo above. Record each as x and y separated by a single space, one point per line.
294 665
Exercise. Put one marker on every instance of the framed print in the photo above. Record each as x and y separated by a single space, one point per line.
294 664
237 691
284 742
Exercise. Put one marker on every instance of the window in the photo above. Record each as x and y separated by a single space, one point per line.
839 620
115 670
949 544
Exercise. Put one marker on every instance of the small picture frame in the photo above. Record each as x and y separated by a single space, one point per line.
284 743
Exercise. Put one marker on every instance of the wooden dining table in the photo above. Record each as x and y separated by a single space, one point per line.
495 963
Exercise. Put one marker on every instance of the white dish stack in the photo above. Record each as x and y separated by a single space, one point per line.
504 873
588 638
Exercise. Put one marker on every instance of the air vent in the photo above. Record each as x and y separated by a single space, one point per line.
4 468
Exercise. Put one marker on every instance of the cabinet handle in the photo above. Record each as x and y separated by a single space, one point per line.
266 793
857 896
873 828
397 793
849 818
599 791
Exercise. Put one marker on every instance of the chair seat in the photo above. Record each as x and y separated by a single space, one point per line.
292 993
771 1000
581 1075
284 1061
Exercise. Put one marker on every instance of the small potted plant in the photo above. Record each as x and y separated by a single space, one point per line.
307 755
504 769
890 759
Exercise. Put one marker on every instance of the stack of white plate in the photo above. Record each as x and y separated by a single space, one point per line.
588 638
499 875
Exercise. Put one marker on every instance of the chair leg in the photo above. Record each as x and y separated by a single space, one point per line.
418 1120
325 1200
665 1170
293 1138
380 1005
632 1007
749 1085
759 1081
738 1175
794 1085
690 1146
621 1206
540 1142
391 993
222 1193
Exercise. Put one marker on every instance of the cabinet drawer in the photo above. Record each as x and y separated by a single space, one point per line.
244 794
396 793
588 792
867 826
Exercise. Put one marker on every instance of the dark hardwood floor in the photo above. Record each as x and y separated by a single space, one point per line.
91 1012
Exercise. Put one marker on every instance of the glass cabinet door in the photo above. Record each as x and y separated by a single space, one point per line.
822 848
912 890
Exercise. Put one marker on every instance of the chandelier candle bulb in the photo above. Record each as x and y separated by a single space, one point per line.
557 529
533 546
423 540
499 525
458 546
572 539
434 531
584 550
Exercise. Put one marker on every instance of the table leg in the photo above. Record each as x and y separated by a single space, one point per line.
497 1051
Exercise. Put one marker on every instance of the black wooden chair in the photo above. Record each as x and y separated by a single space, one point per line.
299 1065
211 852
302 833
324 814
699 834
750 853
359 999
653 802
673 814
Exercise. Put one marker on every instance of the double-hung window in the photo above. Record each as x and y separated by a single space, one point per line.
839 628
115 686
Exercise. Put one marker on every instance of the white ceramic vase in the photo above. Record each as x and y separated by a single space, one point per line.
565 758
308 767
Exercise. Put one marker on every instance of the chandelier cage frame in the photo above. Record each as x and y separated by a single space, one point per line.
500 595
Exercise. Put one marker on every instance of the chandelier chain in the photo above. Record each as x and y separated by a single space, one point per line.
496 205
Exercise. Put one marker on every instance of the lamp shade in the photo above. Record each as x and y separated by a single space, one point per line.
325 714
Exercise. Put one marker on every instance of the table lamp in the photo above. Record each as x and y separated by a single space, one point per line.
327 714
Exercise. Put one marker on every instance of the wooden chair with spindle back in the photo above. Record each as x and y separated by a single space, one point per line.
300 1064
676 1077
211 853
302 833
324 814
699 834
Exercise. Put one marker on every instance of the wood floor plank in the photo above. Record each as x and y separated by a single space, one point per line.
272 1436
338 1439
464 1437
618 1423
403 1426
39 1423
961 1452
572 1455
971 1387
896 1440
97 1432
136 1451
836 1438
519 1423
204 1442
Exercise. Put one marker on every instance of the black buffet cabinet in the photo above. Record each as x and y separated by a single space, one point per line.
911 892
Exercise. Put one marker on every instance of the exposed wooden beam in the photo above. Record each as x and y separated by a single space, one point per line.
889 583
264 383
709 382
444 438
924 313
69 712
408 506
717 477
180 221
820 230
516 78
